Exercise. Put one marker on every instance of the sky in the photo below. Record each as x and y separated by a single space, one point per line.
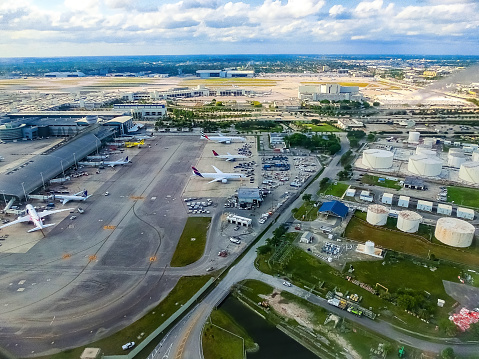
42 28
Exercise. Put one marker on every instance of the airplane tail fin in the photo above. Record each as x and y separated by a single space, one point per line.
85 193
214 152
40 228
126 159
203 135
196 172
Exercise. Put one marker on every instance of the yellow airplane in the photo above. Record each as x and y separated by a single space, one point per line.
133 144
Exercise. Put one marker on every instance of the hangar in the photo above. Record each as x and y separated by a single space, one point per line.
334 208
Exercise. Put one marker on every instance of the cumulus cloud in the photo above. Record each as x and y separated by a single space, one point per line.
244 22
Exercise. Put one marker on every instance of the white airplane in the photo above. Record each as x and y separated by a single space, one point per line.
114 163
223 139
80 196
145 137
36 218
218 176
229 156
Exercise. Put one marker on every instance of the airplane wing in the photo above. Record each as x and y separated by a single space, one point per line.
222 140
219 179
230 159
47 213
19 220
217 170
65 201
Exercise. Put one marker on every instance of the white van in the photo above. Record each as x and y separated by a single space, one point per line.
235 240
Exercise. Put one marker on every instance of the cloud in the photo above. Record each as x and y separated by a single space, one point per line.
206 24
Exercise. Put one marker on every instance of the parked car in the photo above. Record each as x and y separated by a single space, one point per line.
287 284
128 345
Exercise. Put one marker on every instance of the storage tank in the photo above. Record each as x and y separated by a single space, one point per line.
454 232
429 142
455 150
408 221
413 137
422 150
423 165
469 172
369 247
455 159
377 215
374 158
475 156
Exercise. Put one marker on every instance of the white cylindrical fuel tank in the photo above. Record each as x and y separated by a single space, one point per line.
377 215
429 142
375 158
423 165
475 156
422 150
469 172
369 247
454 232
455 150
408 221
455 159
413 137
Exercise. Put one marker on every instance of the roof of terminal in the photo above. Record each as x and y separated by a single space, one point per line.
47 165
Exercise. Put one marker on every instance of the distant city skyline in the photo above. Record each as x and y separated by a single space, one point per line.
43 28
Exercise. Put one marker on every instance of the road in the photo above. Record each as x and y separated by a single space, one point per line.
184 340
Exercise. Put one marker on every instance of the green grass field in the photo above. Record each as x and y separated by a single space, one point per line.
307 212
218 342
337 189
373 180
322 127
359 84
188 250
180 294
463 196
409 244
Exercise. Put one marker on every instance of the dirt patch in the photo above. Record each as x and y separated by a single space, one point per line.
305 318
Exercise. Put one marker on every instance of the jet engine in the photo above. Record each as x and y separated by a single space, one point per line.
224 180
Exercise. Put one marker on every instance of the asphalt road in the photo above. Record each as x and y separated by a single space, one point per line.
184 340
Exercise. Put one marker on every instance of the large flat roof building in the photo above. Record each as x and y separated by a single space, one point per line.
226 73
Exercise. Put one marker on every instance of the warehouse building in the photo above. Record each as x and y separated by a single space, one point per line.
445 209
334 208
249 197
414 183
226 73
424 206
332 92
403 201
241 221
465 213
122 124
387 198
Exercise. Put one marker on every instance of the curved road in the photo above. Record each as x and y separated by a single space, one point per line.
184 340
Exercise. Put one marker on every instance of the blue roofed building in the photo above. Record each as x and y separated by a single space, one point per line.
334 208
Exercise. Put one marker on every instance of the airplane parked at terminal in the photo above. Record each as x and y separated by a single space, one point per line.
134 144
229 156
114 163
80 196
36 218
218 176
145 137
223 139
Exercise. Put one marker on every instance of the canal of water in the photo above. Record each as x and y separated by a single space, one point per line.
273 343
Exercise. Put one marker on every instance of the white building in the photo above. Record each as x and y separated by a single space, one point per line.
424 206
350 192
403 201
242 221
387 198
445 209
276 138
465 213
226 73
307 237
143 111
366 196
349 124
332 92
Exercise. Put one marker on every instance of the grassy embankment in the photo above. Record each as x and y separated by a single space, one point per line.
192 242
307 212
224 338
322 127
336 189
463 196
373 180
111 345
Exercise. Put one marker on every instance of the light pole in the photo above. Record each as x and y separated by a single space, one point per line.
43 181
25 193
3 192
75 160
63 170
